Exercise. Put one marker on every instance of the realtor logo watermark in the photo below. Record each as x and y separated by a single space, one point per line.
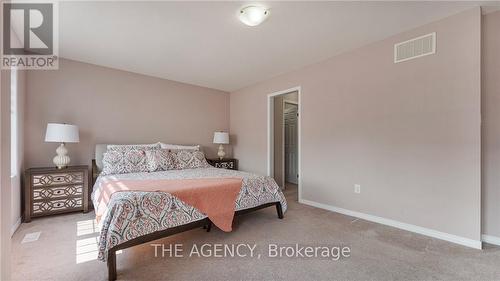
30 36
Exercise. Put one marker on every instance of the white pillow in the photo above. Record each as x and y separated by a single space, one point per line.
179 147
121 146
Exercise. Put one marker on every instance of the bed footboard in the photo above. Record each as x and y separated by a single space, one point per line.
171 231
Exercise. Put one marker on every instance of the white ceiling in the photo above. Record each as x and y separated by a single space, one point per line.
203 43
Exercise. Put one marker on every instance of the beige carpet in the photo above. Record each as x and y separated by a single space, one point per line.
67 247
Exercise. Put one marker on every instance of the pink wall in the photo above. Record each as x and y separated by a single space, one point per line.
409 133
491 124
113 106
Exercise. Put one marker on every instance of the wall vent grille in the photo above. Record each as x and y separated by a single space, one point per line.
415 48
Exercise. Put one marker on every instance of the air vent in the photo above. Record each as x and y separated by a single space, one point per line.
415 48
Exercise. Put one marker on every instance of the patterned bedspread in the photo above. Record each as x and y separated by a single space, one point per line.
134 214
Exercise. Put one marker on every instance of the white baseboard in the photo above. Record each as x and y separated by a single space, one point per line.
491 239
401 225
15 226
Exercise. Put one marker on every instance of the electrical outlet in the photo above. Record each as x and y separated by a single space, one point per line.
357 188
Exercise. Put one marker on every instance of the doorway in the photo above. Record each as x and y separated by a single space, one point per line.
284 140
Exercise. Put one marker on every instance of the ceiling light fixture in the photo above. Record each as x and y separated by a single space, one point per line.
253 15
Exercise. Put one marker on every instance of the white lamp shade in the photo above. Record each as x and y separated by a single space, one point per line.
221 138
61 133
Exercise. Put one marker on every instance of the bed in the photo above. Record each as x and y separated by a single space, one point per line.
136 217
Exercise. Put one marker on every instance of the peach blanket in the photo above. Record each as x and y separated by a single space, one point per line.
215 197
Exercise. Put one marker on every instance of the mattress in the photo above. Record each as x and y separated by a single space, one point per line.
132 214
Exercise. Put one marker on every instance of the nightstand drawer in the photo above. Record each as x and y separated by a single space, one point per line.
57 192
224 165
60 205
57 179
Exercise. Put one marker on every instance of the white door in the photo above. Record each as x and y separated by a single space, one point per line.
291 143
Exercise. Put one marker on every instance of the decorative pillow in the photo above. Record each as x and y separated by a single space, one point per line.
179 147
160 160
122 159
189 159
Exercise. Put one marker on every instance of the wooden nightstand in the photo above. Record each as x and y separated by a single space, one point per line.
49 191
226 163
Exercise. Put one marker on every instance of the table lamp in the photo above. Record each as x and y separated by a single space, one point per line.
221 138
62 133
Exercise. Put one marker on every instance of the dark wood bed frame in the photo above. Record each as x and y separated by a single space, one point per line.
205 223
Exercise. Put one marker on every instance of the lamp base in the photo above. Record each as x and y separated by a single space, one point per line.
62 159
221 152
